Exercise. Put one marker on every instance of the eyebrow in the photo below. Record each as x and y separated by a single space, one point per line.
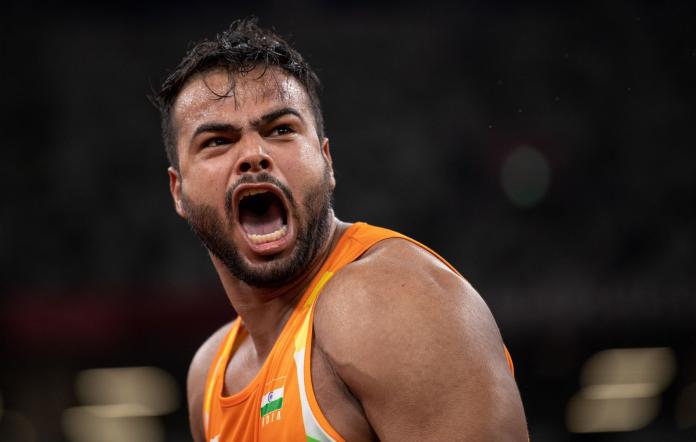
274 115
259 122
214 127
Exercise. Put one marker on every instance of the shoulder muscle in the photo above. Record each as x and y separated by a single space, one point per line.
419 348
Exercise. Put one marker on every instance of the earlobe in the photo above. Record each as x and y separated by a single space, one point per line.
175 190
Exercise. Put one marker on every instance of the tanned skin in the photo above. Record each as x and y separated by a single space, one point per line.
403 350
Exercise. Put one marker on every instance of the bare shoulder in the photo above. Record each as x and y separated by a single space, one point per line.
393 275
419 348
395 281
196 379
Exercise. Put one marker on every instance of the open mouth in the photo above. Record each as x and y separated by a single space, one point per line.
262 215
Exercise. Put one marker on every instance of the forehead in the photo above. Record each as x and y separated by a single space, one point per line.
207 95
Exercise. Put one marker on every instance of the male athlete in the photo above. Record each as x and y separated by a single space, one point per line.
345 331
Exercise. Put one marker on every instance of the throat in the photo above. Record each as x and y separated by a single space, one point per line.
264 322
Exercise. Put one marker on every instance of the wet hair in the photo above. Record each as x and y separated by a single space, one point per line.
243 47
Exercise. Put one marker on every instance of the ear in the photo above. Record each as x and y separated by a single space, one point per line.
326 153
175 190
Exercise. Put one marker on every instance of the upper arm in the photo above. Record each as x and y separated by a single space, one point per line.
419 349
196 380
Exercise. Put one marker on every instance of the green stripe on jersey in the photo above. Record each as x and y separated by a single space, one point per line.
272 406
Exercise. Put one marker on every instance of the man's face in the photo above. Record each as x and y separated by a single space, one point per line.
254 181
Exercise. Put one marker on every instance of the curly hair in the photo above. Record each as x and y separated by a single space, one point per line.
243 47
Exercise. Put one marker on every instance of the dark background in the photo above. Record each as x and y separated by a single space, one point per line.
424 104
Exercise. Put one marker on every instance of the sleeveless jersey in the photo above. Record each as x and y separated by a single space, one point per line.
279 403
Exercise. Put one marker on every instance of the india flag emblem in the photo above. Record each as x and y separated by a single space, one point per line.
272 401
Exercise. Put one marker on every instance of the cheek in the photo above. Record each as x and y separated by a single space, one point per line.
311 161
205 184
301 169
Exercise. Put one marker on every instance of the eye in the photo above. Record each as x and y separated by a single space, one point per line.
283 129
216 141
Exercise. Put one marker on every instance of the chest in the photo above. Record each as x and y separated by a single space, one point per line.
288 389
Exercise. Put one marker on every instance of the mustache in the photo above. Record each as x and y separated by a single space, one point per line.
259 178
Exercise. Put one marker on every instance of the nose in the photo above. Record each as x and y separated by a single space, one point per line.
254 160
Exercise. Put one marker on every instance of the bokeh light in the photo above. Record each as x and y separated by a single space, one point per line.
630 366
121 404
129 391
525 176
620 390
585 415
82 424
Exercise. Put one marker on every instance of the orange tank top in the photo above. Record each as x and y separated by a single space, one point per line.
279 403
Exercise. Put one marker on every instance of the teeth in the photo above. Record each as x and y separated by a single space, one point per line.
251 192
268 237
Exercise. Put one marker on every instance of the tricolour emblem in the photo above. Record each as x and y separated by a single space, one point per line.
272 401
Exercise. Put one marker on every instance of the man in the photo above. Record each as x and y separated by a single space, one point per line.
345 331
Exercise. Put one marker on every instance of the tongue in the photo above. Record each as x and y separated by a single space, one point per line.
262 224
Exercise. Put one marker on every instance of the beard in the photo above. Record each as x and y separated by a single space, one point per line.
215 233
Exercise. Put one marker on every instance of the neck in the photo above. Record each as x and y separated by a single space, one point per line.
264 311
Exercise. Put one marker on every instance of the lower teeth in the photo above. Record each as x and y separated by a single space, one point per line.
268 237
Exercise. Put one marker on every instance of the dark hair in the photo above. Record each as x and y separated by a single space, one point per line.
241 48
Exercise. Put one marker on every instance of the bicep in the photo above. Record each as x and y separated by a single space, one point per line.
425 359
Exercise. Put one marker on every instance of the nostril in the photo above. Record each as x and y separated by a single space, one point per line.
244 167
264 164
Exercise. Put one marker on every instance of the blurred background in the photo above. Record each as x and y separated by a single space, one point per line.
546 149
